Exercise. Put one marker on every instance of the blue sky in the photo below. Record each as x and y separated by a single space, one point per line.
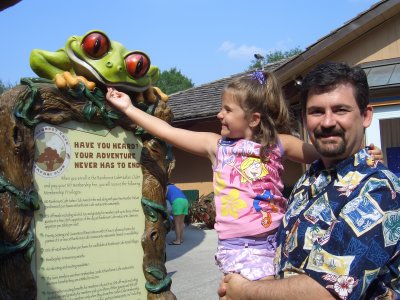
206 40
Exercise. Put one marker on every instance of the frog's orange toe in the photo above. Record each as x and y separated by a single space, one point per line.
60 82
71 80
89 84
160 93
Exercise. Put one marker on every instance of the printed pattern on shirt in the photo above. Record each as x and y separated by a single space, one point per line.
247 191
342 228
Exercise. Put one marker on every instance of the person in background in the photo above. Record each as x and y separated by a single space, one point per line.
247 163
340 234
179 207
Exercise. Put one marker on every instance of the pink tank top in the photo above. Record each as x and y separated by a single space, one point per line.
247 192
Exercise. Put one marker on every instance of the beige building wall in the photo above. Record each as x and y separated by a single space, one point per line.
383 42
193 172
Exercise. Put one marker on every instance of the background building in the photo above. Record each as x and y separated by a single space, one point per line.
370 40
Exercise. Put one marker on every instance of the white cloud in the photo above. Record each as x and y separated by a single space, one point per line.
243 52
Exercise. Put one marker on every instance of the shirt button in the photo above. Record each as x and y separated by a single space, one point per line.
287 231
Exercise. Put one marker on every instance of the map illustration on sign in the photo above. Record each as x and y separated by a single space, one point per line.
53 151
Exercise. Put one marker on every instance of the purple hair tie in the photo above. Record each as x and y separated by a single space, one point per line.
258 75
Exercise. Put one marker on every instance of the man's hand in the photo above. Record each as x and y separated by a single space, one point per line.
232 287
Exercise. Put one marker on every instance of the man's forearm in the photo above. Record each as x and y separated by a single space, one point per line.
296 287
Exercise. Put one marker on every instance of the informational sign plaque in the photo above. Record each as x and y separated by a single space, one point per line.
90 223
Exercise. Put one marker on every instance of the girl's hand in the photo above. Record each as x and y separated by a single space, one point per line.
119 100
375 152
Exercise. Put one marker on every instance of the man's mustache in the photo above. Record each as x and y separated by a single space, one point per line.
321 133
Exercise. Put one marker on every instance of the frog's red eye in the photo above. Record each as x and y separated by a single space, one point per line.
137 64
96 45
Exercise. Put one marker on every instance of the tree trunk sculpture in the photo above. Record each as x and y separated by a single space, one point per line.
40 101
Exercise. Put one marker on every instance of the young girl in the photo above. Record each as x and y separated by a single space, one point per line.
247 165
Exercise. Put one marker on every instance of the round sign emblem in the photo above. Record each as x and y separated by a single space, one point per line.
53 151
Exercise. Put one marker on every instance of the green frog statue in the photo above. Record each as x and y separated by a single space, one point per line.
96 61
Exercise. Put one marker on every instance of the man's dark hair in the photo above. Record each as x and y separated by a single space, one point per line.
327 76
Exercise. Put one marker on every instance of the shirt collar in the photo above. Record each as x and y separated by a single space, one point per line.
342 167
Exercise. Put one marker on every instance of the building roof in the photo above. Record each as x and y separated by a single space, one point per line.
204 101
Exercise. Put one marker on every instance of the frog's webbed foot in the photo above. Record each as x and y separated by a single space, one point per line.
151 95
67 80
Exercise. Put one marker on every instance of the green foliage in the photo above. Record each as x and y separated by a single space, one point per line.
173 81
274 57
256 64
279 55
4 87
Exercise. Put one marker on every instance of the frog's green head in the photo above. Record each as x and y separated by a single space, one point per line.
101 60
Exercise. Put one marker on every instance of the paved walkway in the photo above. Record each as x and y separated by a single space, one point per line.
191 265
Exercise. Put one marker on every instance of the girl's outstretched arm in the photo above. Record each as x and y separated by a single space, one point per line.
298 150
199 143
302 152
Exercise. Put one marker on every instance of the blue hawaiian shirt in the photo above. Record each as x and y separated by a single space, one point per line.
342 228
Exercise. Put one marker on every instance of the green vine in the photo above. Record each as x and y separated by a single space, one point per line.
95 101
7 249
151 210
22 108
164 281
25 200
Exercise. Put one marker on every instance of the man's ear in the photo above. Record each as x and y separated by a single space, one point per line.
367 114
255 120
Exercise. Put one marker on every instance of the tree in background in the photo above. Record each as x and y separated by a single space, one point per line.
272 57
173 81
4 87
